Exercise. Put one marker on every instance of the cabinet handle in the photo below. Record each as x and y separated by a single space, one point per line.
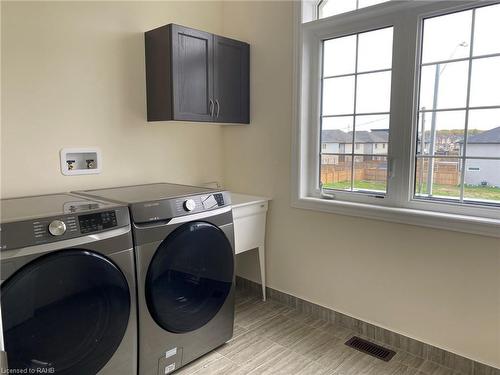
218 108
211 107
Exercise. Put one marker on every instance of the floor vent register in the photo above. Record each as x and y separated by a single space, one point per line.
370 348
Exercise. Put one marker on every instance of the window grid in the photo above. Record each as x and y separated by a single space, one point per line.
457 157
456 109
359 114
469 76
359 73
480 216
462 58
354 107
353 154
321 3
462 158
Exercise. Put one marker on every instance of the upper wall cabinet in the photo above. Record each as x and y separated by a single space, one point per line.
192 75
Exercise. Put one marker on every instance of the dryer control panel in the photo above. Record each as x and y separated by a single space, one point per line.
198 203
179 206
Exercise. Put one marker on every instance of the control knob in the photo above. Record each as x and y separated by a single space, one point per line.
57 228
189 205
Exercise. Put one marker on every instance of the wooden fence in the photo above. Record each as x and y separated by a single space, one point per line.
445 173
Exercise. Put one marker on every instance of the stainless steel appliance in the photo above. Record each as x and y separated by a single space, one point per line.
68 292
183 237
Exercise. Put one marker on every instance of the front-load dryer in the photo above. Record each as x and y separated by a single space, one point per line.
68 292
185 271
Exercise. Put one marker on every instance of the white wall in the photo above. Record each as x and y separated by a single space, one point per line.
437 286
73 75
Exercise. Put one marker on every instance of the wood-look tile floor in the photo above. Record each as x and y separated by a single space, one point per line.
270 338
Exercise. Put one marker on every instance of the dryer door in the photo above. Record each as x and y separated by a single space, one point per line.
64 313
189 277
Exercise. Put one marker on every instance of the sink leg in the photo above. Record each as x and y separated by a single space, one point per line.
262 262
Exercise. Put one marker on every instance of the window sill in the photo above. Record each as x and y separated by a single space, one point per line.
438 220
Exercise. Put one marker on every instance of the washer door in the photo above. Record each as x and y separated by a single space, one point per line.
189 277
65 312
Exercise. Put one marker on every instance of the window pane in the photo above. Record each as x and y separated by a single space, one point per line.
483 133
372 134
373 92
336 171
447 82
329 8
438 177
449 129
367 3
370 173
336 136
447 37
339 56
482 180
485 82
446 86
375 50
338 96
340 118
487 30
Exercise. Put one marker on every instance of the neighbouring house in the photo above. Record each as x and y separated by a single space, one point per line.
483 171
446 143
372 143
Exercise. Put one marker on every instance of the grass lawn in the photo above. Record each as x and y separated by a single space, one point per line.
361 185
482 192
471 192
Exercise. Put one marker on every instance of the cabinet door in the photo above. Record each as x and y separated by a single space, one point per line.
192 74
231 80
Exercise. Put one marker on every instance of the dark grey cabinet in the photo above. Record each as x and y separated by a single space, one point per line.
231 80
192 75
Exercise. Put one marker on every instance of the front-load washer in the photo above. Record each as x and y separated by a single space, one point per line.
68 292
183 237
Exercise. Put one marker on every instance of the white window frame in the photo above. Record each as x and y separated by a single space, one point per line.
406 17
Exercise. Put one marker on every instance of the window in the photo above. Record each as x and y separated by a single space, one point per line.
406 96
327 8
459 109
356 91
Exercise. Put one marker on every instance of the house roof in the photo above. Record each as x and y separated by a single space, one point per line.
362 136
489 136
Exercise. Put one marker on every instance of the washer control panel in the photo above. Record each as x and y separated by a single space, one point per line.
57 228
44 230
97 222
18 234
70 226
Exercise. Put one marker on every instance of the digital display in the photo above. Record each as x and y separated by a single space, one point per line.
96 222
219 198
